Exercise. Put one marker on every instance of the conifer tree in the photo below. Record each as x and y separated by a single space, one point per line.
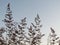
52 37
35 34
9 24
21 31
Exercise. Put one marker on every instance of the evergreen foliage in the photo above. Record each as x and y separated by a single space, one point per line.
16 34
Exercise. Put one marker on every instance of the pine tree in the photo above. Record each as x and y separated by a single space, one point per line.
52 37
9 24
35 34
21 31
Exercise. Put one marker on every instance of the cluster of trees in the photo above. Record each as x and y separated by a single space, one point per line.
16 34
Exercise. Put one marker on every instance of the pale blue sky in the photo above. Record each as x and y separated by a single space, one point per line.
48 10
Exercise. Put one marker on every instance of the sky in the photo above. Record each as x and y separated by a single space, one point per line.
48 10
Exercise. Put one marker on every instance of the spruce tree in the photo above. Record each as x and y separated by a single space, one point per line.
52 37
21 31
35 34
9 24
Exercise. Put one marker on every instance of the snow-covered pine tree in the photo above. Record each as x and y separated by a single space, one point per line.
21 32
35 34
9 25
52 37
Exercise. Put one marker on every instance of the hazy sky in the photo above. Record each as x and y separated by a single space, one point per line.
48 10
